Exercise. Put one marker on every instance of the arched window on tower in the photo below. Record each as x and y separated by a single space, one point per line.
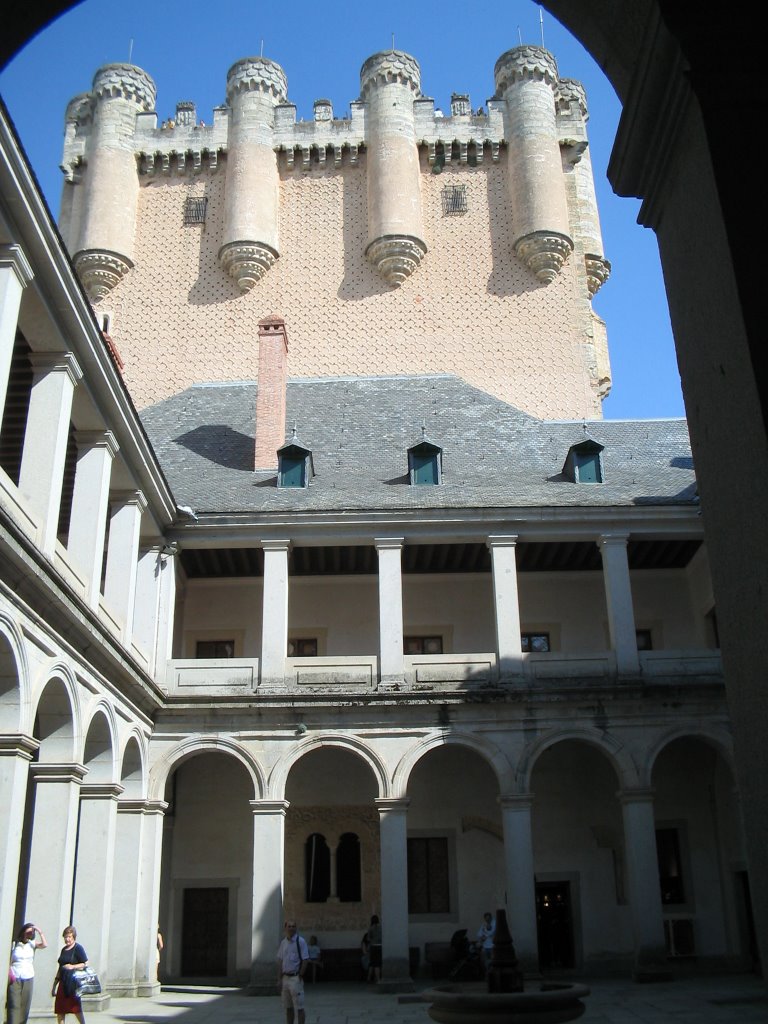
348 875
317 869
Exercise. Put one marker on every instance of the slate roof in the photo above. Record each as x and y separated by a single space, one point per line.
359 431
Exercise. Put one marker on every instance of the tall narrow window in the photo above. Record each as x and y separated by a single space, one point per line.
348 876
670 866
317 869
428 875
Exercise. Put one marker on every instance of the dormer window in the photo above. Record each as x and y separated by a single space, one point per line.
294 464
584 462
425 461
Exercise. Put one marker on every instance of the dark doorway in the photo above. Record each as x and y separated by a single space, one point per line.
205 933
747 921
554 921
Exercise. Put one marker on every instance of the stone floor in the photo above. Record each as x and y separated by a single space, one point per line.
741 999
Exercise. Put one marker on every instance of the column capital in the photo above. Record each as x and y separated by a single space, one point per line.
128 805
613 538
12 258
282 544
386 543
636 795
44 772
56 362
515 801
18 744
155 807
392 804
88 439
101 791
498 540
131 497
273 807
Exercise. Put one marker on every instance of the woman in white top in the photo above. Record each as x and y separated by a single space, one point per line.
21 974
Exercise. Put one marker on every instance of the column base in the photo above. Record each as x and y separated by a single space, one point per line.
97 1003
122 990
388 986
262 989
148 989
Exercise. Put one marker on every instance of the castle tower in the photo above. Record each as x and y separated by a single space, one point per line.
104 248
389 83
572 116
526 78
250 239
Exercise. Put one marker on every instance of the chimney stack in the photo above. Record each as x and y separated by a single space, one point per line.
270 399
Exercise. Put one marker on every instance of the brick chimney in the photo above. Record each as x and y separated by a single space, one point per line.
270 400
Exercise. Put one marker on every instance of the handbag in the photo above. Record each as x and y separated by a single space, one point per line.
86 982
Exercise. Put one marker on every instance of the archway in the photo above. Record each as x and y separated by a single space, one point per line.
578 840
702 861
206 893
455 844
332 879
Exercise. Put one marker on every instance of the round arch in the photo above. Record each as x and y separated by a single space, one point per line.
278 777
491 754
57 716
132 766
619 757
161 771
100 744
719 739
15 697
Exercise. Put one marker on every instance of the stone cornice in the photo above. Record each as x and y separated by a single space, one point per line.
392 804
87 439
101 791
60 362
269 808
44 772
18 745
12 258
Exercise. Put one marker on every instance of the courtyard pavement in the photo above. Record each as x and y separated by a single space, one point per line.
732 999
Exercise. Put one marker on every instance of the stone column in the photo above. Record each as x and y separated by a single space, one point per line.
618 599
521 890
45 442
643 887
389 84
92 904
391 664
16 752
526 78
88 523
52 861
111 181
267 914
124 919
15 275
250 247
395 966
122 556
147 984
509 650
146 610
274 630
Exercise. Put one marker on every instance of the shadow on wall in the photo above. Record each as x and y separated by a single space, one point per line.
360 281
221 445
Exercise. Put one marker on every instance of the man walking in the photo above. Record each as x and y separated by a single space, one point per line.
292 959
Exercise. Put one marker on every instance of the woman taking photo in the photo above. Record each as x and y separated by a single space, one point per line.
72 958
21 972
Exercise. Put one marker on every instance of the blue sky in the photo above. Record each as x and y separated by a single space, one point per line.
187 47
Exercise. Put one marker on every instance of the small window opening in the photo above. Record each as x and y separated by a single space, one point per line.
292 472
584 461
423 644
428 876
195 209
215 649
294 464
302 647
535 643
454 200
644 639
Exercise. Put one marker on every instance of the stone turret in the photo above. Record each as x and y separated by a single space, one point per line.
526 78
389 83
255 86
572 118
104 247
